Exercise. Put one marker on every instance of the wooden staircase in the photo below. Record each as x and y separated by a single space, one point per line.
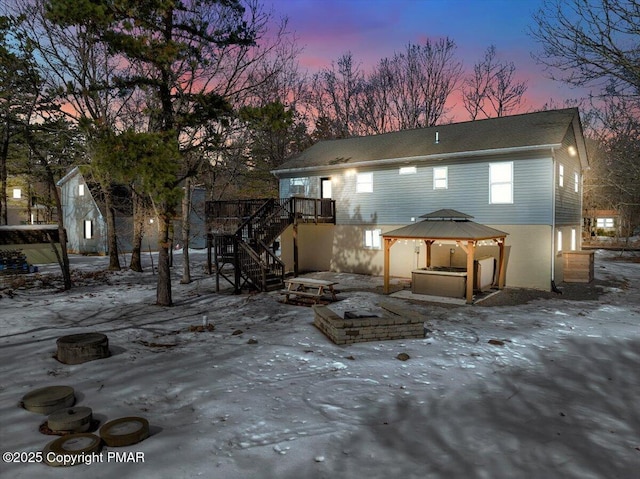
242 233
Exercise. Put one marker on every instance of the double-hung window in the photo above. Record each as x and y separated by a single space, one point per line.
298 186
373 239
440 178
501 182
364 183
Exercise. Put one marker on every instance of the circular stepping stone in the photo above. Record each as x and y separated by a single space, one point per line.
72 449
80 348
73 419
124 431
49 399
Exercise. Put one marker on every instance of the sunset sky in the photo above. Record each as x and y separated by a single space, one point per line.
373 29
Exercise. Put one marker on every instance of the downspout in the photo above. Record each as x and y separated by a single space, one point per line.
581 193
554 288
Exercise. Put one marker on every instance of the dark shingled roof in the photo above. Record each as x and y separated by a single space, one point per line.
447 214
446 225
28 234
530 130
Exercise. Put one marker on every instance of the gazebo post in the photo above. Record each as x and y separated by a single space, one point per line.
428 243
388 243
501 262
471 248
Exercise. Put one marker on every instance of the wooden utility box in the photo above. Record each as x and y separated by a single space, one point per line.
578 266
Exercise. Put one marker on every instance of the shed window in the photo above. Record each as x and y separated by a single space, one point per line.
560 174
364 183
80 190
559 241
501 183
604 222
440 178
88 229
372 239
17 193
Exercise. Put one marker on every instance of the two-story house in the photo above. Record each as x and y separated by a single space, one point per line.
519 174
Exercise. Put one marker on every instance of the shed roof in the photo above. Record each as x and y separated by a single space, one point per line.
28 234
539 130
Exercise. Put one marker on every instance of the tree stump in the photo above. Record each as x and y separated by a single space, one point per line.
80 348
73 419
49 399
125 431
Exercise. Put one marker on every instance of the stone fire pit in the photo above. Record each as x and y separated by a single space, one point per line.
359 326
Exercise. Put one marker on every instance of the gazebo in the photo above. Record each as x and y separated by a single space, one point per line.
448 225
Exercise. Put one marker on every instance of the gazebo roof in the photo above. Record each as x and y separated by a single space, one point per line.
446 224
447 214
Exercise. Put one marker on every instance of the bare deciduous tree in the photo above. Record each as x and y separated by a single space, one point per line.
492 90
417 84
613 182
336 94
591 42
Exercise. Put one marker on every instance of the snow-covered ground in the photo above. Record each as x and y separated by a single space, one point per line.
559 399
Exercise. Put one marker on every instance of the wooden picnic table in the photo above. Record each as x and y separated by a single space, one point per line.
308 288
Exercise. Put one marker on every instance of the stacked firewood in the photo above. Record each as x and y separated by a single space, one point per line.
13 262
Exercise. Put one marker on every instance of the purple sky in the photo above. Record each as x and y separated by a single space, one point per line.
373 29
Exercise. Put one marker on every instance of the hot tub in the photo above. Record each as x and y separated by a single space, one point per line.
440 281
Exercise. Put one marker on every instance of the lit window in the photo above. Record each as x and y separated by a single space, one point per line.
559 241
364 183
604 222
440 181
560 175
573 239
17 193
408 170
80 190
501 183
88 229
576 182
372 239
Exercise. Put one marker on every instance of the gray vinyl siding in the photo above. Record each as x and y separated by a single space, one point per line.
78 209
396 199
568 202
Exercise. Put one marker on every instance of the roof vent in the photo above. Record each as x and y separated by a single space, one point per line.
437 137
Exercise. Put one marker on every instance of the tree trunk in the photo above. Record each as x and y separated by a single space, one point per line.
163 290
62 233
112 235
4 153
186 227
138 232
64 259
